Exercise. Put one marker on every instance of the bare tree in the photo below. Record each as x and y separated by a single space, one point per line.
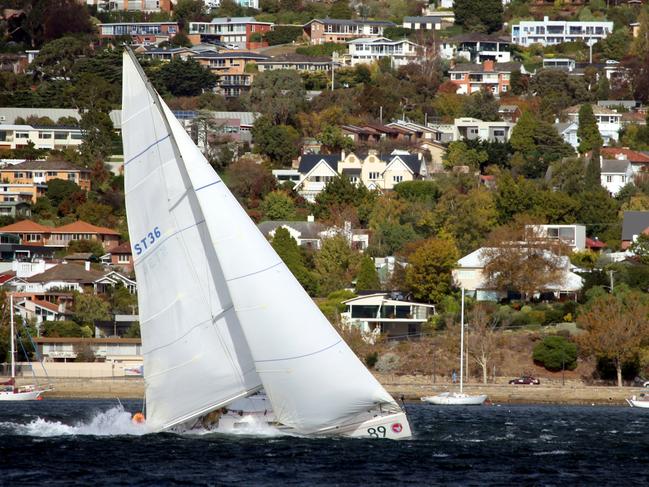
484 338
617 326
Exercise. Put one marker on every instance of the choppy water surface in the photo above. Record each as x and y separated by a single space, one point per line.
57 442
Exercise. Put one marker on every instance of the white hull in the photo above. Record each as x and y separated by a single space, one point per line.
455 399
634 403
20 396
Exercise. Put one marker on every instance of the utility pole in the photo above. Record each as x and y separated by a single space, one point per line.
610 276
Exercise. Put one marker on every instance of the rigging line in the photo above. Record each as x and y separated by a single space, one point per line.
155 249
40 358
256 272
146 149
208 185
299 356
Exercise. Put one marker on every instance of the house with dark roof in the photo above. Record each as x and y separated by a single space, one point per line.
298 62
121 257
476 48
634 224
310 234
319 31
374 170
615 174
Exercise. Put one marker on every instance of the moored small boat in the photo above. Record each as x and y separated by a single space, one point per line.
641 401
455 399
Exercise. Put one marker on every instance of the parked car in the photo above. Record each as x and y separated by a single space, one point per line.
526 379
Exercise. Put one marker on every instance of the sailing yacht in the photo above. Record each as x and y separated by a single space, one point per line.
221 316
8 389
458 398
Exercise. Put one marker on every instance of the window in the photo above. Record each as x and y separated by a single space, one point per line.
44 135
609 179
374 175
61 135
397 179
22 135
123 259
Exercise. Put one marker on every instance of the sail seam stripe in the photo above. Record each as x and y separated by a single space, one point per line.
256 272
153 251
148 148
300 356
207 185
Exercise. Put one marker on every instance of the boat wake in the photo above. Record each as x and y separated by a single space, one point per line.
113 422
246 425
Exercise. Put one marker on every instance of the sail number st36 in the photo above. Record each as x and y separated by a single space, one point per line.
147 241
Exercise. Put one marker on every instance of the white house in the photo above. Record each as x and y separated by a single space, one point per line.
476 48
472 128
573 236
387 314
370 49
615 174
568 132
469 274
310 234
54 137
609 122
548 32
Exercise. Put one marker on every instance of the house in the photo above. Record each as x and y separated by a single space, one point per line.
368 50
568 132
608 121
615 174
490 76
73 277
310 234
429 22
203 125
144 33
9 115
231 32
469 274
32 233
634 224
113 349
36 309
562 64
639 160
320 31
387 314
473 128
15 209
27 181
54 137
547 32
135 5
121 257
164 53
375 171
509 113
476 48
230 67
296 62
242 3
574 236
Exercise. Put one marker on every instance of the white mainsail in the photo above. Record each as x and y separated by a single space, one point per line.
313 379
195 355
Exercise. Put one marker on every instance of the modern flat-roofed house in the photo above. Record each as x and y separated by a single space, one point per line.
609 122
164 53
320 31
33 176
547 32
574 236
386 314
476 48
231 32
372 49
134 5
297 62
113 349
57 137
145 33
230 67
473 128
433 22
562 64
15 209
490 76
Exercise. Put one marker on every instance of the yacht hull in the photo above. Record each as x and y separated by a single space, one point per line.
455 399
20 396
643 404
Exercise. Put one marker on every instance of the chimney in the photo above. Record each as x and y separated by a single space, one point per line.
488 66
87 265
342 155
620 157
310 218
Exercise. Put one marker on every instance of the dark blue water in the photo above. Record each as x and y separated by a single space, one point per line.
56 442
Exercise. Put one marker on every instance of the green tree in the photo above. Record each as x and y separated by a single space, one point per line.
477 14
483 106
122 301
186 11
459 154
133 331
84 246
278 95
61 329
340 10
335 264
367 278
640 44
289 251
184 77
556 353
57 58
281 143
97 131
333 140
616 45
641 248
89 308
58 190
278 205
522 138
588 132
428 274
340 192
96 213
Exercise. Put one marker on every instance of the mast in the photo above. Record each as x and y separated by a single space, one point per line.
13 339
462 344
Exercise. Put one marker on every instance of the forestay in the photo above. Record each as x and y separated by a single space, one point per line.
313 379
195 355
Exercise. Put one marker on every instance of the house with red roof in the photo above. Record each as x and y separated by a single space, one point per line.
639 160
121 257
32 233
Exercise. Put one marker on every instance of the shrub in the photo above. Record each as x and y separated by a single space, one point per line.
553 315
388 362
556 353
536 317
371 359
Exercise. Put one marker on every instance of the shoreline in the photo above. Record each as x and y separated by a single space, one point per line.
412 388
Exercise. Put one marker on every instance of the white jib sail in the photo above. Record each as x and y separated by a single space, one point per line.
313 379
195 355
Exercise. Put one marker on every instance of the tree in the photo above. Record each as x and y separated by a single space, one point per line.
335 264
89 308
340 10
339 193
249 181
96 213
57 58
278 205
333 140
58 190
86 246
122 301
556 353
184 77
288 250
281 143
588 132
61 329
616 45
641 248
522 138
522 261
278 95
484 337
483 106
475 15
186 11
367 278
428 275
616 327
97 131
640 44
459 154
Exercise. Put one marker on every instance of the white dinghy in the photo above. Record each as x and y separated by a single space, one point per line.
641 401
221 315
457 398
